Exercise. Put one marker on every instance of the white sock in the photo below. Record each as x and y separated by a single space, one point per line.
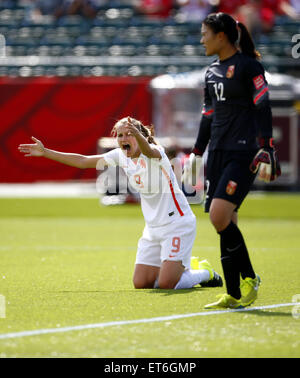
155 286
190 278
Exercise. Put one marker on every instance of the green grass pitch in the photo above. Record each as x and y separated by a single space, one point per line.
69 262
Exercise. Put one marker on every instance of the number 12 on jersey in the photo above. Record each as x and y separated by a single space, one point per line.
219 90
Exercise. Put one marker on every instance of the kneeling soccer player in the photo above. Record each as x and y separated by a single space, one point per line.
164 250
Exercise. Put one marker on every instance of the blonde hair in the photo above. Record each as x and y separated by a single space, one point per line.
146 131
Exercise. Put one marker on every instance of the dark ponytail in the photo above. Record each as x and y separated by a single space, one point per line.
235 31
245 42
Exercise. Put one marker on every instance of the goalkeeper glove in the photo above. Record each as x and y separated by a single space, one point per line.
191 169
266 161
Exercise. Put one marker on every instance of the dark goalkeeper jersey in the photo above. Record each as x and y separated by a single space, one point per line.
236 106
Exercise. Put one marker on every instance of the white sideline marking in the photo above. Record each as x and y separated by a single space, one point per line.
135 321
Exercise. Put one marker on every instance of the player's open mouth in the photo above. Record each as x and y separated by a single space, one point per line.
126 147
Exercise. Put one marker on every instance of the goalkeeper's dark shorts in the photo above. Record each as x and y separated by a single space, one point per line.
228 176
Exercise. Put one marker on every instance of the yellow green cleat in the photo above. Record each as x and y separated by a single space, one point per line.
204 264
225 301
215 280
249 289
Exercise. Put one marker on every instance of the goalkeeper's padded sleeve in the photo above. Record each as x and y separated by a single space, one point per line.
203 136
205 124
261 101
264 121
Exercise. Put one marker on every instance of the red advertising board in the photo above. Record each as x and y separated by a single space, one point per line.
66 114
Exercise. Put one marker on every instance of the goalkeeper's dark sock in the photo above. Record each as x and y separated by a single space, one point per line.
245 265
234 244
229 263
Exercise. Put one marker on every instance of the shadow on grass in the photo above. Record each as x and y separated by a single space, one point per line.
137 291
267 313
167 292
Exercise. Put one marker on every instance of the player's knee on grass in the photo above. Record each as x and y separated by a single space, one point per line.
165 283
144 276
139 283
143 282
170 274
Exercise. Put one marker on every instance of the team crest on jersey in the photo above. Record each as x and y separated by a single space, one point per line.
230 72
231 187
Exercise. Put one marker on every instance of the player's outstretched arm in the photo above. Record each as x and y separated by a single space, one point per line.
36 149
74 160
144 145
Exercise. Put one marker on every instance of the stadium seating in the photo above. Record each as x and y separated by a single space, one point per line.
119 42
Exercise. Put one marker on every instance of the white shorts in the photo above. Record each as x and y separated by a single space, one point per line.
173 242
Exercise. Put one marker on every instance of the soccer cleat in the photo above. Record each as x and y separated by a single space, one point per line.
194 263
249 289
215 280
225 301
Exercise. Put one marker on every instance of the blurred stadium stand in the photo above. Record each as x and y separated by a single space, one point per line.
117 42
61 58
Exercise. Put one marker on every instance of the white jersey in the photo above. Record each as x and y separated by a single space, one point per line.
162 201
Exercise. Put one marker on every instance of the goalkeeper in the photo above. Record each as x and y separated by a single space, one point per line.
236 111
